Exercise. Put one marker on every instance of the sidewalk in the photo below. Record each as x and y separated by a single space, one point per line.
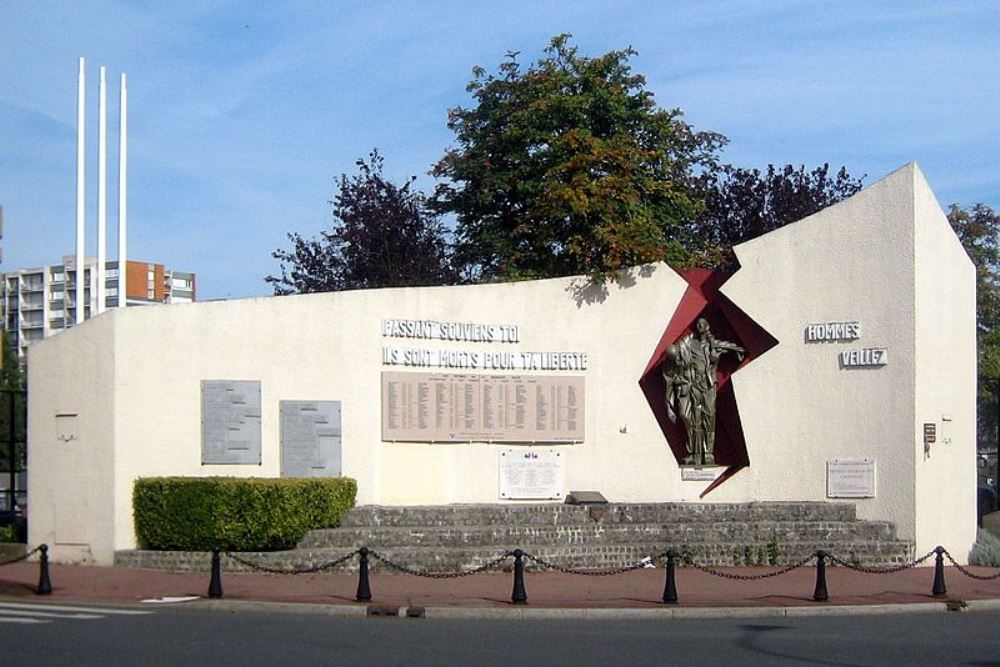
550 594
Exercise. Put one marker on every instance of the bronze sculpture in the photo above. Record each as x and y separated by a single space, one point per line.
689 370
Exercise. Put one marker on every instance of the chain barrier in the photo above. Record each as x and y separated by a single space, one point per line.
22 558
971 575
888 569
440 575
593 573
752 577
519 596
311 570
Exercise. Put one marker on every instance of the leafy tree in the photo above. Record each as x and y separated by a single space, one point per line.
11 369
569 167
978 228
384 235
741 204
12 387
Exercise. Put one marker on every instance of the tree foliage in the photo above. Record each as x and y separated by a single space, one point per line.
568 166
13 403
978 228
741 204
383 235
11 368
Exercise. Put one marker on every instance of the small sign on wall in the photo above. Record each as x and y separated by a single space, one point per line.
850 478
531 474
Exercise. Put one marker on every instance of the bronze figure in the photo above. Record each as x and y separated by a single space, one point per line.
689 370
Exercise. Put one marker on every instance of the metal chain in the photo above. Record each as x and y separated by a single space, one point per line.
890 569
752 577
971 575
20 559
311 570
586 573
440 575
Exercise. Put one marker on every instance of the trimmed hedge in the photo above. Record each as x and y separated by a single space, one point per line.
236 513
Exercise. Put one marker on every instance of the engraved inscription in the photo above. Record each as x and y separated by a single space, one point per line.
310 438
452 407
230 421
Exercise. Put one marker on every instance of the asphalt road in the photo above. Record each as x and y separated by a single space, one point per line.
185 636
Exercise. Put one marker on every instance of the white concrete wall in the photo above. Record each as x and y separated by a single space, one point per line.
850 262
134 376
71 460
945 380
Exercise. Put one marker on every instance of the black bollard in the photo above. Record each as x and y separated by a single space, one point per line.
820 595
939 588
670 588
215 583
518 595
44 584
364 588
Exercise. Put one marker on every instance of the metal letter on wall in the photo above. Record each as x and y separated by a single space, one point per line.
310 438
230 421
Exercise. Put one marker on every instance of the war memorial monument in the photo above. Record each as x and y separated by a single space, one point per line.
836 365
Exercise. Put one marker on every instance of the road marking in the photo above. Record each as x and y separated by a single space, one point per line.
104 611
46 614
21 620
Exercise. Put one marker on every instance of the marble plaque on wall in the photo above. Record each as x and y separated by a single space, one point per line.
459 407
850 478
531 474
310 438
230 421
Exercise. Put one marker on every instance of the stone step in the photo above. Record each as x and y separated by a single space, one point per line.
759 532
565 515
461 559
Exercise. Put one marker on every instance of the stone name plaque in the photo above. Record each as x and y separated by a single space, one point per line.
310 438
530 474
444 407
230 421
850 478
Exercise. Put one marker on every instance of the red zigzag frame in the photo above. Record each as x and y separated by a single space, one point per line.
703 299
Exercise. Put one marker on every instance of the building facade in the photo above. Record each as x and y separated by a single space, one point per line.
36 303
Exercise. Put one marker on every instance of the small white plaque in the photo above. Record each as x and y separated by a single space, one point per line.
700 474
531 474
850 478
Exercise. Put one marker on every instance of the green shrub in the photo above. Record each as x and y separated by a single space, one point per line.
986 550
236 513
8 534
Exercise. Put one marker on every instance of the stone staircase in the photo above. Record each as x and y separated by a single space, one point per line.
453 538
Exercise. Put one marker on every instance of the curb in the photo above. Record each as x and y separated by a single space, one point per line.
579 613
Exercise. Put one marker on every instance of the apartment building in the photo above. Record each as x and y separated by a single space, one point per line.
39 302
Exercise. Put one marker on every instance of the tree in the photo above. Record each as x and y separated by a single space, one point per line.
741 204
978 228
569 167
12 400
383 235
11 369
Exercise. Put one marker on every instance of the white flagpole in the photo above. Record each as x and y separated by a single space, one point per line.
102 193
122 184
80 188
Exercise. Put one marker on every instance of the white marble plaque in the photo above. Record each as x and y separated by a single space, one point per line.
230 421
531 474
310 438
700 473
850 478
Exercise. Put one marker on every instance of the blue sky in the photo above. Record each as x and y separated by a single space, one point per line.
242 114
